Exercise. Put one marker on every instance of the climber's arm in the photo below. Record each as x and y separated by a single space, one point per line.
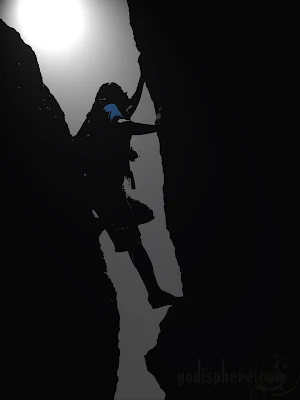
135 99
135 128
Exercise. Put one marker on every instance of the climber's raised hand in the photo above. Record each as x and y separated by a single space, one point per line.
158 116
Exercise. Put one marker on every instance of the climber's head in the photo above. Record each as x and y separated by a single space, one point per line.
112 93
109 92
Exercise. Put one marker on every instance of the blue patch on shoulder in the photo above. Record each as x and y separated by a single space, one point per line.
112 111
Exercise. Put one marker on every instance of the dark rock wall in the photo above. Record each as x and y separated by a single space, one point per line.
213 70
61 320
209 195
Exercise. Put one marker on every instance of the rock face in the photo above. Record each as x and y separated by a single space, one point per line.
61 319
207 68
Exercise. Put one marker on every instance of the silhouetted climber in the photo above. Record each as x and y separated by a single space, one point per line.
104 139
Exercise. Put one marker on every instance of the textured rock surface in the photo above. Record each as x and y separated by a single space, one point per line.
210 70
61 320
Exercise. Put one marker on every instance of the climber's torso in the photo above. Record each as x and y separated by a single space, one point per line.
108 147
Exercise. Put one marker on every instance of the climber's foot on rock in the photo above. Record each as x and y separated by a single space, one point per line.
161 299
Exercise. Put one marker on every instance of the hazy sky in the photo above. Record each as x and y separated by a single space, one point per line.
105 52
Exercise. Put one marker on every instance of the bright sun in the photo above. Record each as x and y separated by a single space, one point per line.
52 25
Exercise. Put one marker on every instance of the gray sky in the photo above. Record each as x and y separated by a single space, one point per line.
107 52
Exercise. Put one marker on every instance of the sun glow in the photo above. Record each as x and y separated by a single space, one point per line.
52 25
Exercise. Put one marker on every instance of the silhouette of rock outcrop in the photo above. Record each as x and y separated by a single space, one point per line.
207 69
61 320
